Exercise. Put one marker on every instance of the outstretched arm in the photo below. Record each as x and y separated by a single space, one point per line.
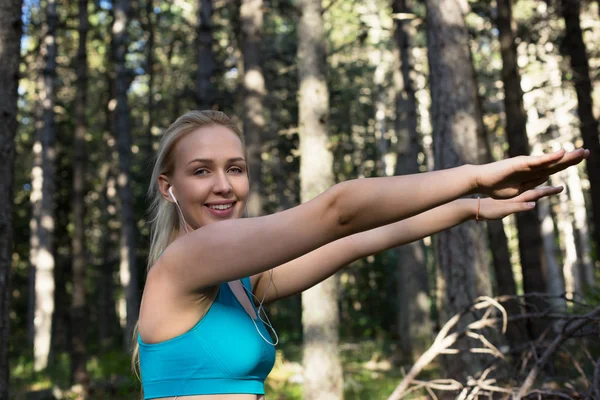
232 249
304 272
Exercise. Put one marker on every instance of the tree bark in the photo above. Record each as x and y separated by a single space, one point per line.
571 265
205 57
122 131
458 138
575 48
149 26
531 250
78 305
251 15
10 39
43 194
414 327
320 317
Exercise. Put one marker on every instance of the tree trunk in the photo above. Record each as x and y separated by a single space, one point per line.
10 39
43 197
575 48
458 138
571 266
528 225
149 26
320 317
108 248
122 131
556 282
581 227
251 15
78 310
414 328
205 58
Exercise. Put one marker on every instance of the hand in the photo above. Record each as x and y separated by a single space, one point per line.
498 209
511 177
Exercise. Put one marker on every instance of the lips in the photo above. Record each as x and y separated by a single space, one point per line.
221 209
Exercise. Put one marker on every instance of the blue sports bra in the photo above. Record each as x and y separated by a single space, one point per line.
222 354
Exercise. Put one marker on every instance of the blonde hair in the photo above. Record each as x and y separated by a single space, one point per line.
164 219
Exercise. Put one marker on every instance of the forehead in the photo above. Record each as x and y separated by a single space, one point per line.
214 142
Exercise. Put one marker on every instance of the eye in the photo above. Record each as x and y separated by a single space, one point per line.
201 171
236 170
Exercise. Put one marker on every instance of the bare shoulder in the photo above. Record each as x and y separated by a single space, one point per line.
166 311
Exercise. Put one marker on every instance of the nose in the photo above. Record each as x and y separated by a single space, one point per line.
222 184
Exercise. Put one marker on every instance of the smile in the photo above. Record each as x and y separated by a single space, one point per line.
221 210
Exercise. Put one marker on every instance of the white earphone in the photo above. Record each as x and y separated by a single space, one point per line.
178 208
171 193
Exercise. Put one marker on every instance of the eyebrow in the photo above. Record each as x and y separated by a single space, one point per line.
211 161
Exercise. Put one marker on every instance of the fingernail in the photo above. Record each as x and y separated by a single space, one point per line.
531 204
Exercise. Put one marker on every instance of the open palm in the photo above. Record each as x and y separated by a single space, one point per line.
511 177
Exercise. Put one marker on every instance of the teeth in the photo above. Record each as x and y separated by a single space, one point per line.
221 206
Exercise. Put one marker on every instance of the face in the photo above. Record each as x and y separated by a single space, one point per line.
210 179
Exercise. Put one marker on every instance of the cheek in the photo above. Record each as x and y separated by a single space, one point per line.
243 188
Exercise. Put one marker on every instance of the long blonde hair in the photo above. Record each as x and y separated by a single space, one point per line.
164 219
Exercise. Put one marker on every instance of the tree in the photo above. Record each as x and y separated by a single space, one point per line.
78 303
531 249
122 131
458 138
575 47
251 16
10 39
320 316
205 58
411 280
42 195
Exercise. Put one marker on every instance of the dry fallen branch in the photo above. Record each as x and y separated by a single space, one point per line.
476 387
445 339
565 334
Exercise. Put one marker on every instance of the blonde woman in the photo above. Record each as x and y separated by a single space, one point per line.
201 335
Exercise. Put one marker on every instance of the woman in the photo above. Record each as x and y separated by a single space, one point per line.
200 335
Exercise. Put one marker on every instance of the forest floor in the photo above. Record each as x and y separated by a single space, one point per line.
368 374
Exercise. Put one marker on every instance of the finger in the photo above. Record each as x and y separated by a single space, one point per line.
568 160
545 159
536 194
555 162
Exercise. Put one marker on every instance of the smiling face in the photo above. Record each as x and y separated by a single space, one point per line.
209 176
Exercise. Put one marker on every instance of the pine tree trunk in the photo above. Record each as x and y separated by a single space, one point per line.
556 282
251 15
43 186
107 318
205 58
458 138
78 310
108 250
581 227
10 39
150 28
122 131
575 48
320 317
414 328
528 225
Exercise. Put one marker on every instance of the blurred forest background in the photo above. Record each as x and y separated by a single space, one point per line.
368 88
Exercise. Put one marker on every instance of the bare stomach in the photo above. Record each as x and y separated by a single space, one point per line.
217 397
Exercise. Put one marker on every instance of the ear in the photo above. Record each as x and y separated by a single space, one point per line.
163 186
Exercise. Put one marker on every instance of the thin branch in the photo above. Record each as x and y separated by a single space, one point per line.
565 334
